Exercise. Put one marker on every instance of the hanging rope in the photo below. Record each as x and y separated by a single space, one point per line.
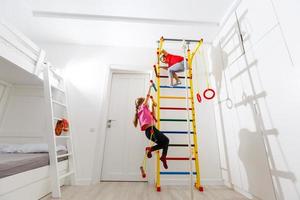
209 93
196 80
143 167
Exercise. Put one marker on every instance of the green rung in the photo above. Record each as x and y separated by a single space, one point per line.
175 120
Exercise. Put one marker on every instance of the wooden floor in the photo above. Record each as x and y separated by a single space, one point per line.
140 190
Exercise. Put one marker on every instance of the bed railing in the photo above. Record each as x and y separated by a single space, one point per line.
17 48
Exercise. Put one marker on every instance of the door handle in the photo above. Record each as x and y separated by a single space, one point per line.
109 123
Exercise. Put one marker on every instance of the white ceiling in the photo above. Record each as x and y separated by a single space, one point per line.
115 22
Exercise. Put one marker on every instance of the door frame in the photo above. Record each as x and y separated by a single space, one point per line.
101 136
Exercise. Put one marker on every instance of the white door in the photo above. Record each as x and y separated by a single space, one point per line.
125 144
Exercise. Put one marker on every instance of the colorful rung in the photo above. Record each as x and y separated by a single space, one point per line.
176 132
180 145
176 173
179 158
178 77
173 97
173 108
175 120
174 87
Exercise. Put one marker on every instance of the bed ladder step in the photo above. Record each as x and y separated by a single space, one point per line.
66 174
57 118
64 155
59 103
52 115
55 73
63 137
58 89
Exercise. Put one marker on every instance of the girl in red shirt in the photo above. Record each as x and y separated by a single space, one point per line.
175 64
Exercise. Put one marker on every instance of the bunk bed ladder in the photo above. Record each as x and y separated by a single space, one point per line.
55 175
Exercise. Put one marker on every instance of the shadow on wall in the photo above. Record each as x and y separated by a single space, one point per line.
237 74
254 163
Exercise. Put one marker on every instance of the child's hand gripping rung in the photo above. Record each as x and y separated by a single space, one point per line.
153 101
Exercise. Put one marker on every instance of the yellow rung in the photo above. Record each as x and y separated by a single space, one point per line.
196 49
173 97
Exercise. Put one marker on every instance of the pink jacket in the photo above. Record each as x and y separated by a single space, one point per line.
145 117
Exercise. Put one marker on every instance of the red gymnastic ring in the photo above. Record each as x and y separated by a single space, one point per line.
207 91
199 98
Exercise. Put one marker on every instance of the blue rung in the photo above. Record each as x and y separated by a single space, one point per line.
176 132
176 87
176 173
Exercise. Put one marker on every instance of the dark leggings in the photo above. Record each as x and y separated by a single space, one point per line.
162 141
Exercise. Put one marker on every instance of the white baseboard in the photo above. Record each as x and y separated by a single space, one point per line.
228 184
164 182
83 182
243 192
187 182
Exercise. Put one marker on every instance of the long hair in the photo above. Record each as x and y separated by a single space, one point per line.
138 103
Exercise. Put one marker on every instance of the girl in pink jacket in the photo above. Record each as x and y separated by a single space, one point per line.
146 120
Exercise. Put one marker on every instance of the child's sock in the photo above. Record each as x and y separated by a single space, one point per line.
163 159
148 150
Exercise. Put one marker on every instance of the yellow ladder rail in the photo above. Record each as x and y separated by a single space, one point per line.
197 166
159 49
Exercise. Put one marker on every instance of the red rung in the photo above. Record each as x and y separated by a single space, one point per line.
178 77
172 108
155 70
178 158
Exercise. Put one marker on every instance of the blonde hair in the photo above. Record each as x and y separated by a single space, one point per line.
138 102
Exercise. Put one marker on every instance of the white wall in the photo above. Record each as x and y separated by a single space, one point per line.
258 136
86 68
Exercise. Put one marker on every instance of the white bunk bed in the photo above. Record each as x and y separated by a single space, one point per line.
22 63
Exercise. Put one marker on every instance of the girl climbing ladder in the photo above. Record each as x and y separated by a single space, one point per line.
146 120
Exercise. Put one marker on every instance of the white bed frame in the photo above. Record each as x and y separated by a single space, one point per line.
28 58
18 49
29 185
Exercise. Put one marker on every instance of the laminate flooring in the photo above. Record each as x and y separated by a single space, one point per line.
144 191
